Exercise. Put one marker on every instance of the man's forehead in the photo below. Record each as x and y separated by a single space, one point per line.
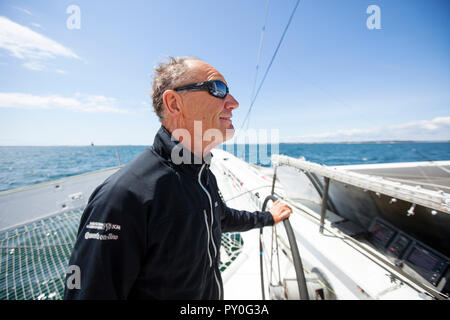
203 71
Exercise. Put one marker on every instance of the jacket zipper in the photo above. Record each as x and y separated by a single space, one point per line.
210 237
207 229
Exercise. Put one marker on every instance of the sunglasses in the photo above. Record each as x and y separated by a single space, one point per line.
216 88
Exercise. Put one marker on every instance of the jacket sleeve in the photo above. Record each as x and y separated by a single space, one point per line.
110 246
233 220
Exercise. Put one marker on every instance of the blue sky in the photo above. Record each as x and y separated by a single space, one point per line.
332 80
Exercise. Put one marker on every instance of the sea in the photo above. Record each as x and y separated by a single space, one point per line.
21 165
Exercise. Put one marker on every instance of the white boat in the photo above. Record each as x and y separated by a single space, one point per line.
381 239
377 235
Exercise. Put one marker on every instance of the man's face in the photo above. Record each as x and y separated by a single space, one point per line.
213 112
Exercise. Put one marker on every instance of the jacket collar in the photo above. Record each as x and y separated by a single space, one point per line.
165 144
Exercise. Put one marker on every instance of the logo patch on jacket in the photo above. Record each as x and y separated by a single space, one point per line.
103 228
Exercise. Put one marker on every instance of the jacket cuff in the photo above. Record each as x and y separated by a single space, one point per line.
268 219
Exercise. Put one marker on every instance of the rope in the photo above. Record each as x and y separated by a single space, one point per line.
428 159
259 52
270 64
248 191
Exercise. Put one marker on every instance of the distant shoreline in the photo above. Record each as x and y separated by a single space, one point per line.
229 143
372 142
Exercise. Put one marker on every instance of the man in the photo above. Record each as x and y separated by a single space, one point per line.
153 229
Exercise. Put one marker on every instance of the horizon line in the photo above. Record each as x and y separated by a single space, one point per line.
231 143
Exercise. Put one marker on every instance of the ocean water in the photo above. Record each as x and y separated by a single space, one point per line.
21 166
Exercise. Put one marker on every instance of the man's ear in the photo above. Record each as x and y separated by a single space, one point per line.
172 102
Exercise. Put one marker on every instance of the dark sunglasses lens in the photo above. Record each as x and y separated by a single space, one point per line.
219 89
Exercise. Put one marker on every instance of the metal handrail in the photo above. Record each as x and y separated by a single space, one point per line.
428 198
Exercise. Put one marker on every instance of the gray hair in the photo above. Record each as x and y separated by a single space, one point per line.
167 76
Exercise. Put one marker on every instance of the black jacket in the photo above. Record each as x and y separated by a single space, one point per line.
153 230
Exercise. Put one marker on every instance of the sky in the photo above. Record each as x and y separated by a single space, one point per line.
76 72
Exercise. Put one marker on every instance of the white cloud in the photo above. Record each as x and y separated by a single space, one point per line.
34 65
37 25
28 12
435 129
23 43
79 102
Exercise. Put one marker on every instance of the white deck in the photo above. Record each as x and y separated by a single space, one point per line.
352 272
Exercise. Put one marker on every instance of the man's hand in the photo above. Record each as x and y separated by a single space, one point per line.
280 211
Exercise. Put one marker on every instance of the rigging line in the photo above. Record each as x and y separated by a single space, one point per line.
304 268
261 40
258 59
270 64
422 172
248 191
428 159
435 185
378 259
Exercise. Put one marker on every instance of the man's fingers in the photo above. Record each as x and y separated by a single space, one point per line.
284 206
279 204
280 211
286 213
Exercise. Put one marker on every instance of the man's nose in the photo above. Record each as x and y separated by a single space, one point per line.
231 103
